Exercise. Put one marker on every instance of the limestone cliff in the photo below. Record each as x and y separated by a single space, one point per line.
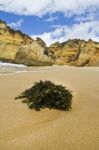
33 55
20 48
75 52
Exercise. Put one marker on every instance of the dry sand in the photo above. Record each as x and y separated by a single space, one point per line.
24 129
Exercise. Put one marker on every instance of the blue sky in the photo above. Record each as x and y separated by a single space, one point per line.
53 20
35 24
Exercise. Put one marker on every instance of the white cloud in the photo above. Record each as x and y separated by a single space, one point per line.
41 7
51 19
83 30
24 7
85 12
17 24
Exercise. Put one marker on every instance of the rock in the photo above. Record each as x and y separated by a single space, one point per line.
75 52
20 48
32 55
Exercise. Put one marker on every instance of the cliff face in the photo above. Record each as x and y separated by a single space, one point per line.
20 48
33 54
10 41
75 52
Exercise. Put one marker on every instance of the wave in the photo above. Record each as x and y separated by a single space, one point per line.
11 65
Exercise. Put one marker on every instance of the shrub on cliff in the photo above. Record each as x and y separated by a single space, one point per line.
45 94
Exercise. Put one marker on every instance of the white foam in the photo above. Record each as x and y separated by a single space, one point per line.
11 64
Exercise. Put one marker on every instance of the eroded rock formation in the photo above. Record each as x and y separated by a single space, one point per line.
20 48
75 52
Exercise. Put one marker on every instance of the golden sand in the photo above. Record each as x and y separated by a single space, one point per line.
25 129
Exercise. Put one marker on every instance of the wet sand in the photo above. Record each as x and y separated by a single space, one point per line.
25 129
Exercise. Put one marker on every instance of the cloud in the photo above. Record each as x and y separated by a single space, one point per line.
24 7
17 24
84 30
90 15
84 14
42 7
51 19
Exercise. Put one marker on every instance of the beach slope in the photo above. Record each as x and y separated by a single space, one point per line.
25 129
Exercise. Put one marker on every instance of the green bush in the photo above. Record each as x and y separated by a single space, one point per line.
45 94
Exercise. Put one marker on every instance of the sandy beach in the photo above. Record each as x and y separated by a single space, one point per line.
25 129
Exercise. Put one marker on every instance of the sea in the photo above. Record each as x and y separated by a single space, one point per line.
6 68
10 68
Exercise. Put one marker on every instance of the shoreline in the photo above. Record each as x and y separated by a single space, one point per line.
18 70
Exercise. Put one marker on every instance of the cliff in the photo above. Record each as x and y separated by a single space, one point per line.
75 52
20 48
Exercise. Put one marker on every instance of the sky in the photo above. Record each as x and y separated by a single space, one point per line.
53 20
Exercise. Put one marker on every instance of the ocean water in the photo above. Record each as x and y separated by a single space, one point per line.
2 64
6 68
